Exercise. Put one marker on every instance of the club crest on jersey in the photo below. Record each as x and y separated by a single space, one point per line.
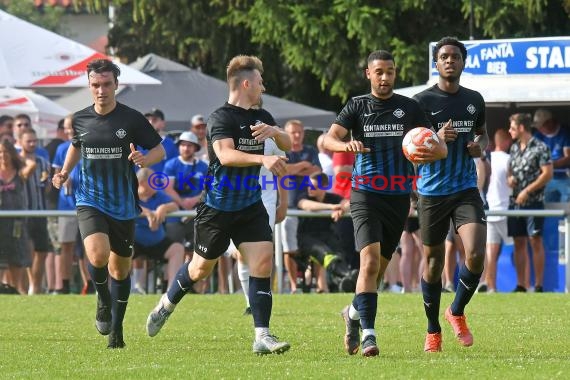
121 133
398 113
471 109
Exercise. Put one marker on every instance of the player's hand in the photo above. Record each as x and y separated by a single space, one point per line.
263 131
277 165
474 149
447 133
136 157
355 146
59 179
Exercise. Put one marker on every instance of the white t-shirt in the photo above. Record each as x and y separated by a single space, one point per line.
268 189
499 191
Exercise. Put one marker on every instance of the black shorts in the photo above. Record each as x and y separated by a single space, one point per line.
154 252
435 212
39 235
378 218
519 226
121 233
214 228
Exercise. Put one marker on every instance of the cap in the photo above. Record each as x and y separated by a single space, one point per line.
198 120
189 137
540 117
156 113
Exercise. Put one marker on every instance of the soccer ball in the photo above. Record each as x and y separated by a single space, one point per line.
417 137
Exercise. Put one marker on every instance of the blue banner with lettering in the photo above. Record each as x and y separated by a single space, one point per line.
549 55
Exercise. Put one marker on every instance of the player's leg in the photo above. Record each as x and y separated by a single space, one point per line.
434 227
253 237
469 218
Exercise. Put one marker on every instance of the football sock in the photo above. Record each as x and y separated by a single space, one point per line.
99 278
261 300
466 287
366 306
243 274
432 298
353 313
181 284
120 291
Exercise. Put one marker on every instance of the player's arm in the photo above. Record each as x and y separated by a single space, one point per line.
334 141
479 144
263 131
153 156
71 159
438 151
229 156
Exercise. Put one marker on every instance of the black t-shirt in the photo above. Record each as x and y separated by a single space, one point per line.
381 124
234 188
320 225
107 178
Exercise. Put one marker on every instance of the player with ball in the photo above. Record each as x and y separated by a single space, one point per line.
377 122
448 190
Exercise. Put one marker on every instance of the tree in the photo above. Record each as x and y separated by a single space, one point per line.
316 50
49 18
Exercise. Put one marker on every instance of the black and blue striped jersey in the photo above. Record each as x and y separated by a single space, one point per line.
381 124
232 188
107 178
466 109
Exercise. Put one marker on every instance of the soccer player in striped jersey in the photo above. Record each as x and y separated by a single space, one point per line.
105 136
448 190
232 206
380 197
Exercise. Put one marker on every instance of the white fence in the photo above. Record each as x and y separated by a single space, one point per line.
323 214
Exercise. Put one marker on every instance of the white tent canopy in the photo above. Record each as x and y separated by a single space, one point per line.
45 114
502 91
33 57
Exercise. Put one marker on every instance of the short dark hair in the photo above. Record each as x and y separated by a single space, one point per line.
103 66
524 119
60 123
321 178
382 55
23 116
449 41
5 118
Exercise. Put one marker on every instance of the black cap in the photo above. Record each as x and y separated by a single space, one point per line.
156 113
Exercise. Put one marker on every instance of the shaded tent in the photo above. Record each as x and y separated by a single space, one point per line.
185 92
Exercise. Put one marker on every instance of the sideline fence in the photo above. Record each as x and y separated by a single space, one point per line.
323 214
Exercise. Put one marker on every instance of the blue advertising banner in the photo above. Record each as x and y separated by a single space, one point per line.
548 55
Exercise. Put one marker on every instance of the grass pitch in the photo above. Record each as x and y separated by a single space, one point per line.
517 336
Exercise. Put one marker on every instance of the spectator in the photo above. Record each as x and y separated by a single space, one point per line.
60 137
158 122
150 235
186 176
498 195
198 127
530 169
303 160
36 184
6 124
557 138
325 157
22 121
14 250
318 238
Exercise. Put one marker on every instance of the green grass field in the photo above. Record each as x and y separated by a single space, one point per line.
517 336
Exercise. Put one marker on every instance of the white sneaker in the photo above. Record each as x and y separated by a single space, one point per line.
157 318
270 345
